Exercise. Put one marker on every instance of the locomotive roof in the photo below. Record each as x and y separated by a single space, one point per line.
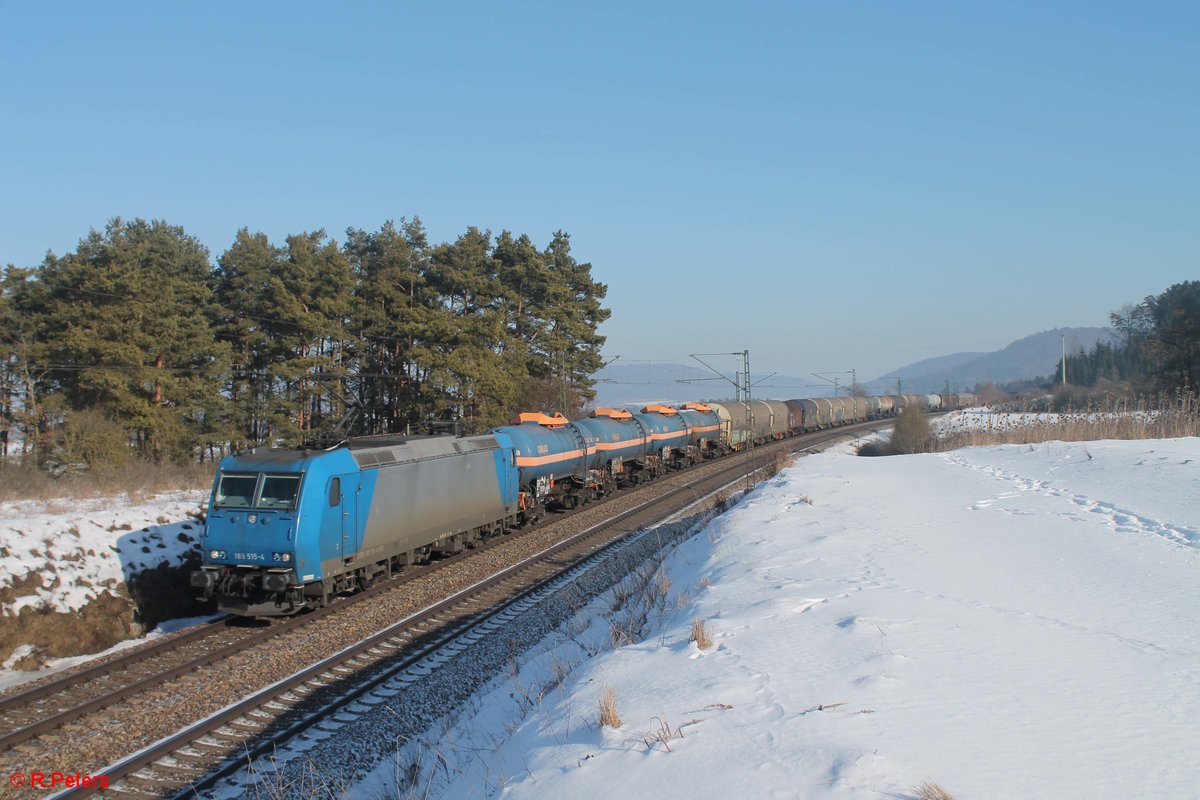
374 451
380 452
273 456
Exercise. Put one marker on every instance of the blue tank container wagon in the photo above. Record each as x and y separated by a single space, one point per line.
669 437
704 430
622 444
557 461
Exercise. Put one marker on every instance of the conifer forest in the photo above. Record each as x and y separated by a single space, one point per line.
139 342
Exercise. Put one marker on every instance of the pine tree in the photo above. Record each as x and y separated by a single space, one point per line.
319 283
248 290
478 382
22 360
128 334
574 314
392 309
1175 344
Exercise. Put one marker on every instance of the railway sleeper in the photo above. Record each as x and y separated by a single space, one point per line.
145 782
176 771
245 725
229 733
201 760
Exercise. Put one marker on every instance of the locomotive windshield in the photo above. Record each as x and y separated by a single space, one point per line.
257 491
278 491
235 491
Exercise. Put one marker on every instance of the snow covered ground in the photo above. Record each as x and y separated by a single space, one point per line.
1008 622
90 545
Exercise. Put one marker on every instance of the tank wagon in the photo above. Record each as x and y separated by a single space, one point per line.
287 529
768 420
817 413
704 428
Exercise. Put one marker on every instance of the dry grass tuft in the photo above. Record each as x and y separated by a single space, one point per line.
932 791
608 709
137 480
621 634
700 634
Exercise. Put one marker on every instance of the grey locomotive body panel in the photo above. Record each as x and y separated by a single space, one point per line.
429 488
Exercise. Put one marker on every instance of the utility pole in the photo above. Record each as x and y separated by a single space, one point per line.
831 377
1064 361
741 384
746 392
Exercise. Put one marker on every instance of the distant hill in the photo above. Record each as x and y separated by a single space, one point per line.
625 384
1031 357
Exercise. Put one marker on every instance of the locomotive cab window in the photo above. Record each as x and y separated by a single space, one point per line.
235 491
335 491
278 491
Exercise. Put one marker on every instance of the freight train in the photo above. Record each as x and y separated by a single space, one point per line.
287 529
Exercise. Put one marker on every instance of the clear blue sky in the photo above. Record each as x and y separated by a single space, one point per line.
831 185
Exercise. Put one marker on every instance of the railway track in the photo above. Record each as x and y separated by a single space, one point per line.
41 709
195 751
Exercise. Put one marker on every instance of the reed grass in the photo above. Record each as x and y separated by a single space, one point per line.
1160 416
700 634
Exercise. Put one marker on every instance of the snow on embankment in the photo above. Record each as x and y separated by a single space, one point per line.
79 576
1012 621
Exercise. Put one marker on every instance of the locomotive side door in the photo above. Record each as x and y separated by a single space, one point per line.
350 492
508 479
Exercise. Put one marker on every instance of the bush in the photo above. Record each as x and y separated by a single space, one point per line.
88 440
874 449
911 433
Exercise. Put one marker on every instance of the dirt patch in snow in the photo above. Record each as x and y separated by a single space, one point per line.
124 611
43 633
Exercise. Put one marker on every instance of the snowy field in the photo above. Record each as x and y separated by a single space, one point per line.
82 548
1008 622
